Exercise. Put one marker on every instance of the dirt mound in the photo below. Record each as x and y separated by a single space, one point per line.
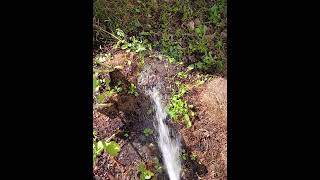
214 97
207 137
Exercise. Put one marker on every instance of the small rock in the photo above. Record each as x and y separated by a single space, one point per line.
223 34
191 25
197 22
209 37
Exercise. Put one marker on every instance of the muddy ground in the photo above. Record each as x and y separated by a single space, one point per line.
128 115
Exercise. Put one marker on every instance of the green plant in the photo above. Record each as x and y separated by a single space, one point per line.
144 173
207 62
111 147
219 43
126 134
202 79
131 43
172 49
117 88
186 9
103 58
182 74
132 90
107 91
95 83
201 30
147 131
184 155
193 156
215 12
179 108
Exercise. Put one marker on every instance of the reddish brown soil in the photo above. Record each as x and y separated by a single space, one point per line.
207 137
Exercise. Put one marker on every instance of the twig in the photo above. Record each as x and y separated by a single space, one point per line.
108 32
99 106
112 136
101 71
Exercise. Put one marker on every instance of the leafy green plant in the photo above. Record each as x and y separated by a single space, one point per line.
132 90
111 147
144 173
193 156
206 63
178 108
118 87
131 43
95 83
101 58
184 155
219 44
147 131
215 12
126 134
201 30
182 74
107 91
171 48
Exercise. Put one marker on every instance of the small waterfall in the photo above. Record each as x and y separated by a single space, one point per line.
169 146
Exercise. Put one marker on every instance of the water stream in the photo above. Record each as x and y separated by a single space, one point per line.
169 146
168 142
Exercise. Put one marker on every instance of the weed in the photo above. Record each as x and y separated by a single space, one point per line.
95 83
170 48
184 155
126 134
117 88
163 23
186 9
179 108
103 58
202 79
107 91
147 131
193 156
215 12
111 147
131 43
132 90
144 173
182 74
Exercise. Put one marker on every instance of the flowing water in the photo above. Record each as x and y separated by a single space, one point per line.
168 142
170 147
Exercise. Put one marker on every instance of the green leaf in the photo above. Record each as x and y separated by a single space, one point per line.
124 46
100 98
137 10
141 167
187 119
190 67
148 174
99 147
144 173
120 33
143 33
147 131
112 148
94 83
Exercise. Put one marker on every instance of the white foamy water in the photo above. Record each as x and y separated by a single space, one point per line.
170 147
